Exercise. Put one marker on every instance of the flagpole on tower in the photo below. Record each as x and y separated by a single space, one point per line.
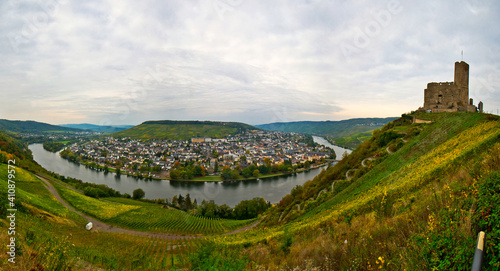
462 55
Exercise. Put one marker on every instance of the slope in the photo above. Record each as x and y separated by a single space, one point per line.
99 128
29 126
50 236
331 128
182 130
412 197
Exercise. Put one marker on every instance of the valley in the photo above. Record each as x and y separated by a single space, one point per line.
415 197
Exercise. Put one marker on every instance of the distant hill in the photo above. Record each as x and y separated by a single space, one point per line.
99 128
331 128
182 130
351 141
29 126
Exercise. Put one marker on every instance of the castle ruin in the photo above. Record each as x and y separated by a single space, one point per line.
450 96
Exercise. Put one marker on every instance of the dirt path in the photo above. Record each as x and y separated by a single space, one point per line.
100 226
363 163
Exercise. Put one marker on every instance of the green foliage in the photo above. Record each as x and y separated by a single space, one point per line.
138 194
444 246
147 217
331 128
230 174
488 218
353 140
213 258
93 190
69 155
53 146
286 241
245 210
187 172
182 130
32 127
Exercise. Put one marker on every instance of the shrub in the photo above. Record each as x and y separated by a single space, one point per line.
91 192
138 194
488 219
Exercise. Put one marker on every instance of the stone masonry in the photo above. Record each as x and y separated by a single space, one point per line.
450 96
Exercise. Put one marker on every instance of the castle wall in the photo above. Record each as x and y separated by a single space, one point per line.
441 96
450 96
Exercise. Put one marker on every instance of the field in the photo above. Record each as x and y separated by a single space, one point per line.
147 217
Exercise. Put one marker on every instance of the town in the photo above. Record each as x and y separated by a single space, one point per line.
249 154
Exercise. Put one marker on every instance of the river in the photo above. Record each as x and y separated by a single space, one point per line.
230 193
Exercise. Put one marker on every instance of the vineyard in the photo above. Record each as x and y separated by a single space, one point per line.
417 203
148 217
388 188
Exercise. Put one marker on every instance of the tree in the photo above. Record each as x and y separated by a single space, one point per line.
255 173
138 194
216 166
118 170
91 192
175 174
180 201
188 205
246 172
226 174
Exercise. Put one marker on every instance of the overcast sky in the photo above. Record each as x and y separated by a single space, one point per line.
125 62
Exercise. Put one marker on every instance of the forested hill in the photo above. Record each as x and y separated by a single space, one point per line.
30 126
331 128
13 149
99 128
183 130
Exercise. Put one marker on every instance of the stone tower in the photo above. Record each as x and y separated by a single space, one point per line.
462 82
450 96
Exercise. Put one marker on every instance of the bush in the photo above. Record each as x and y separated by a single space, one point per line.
488 219
208 257
91 192
138 194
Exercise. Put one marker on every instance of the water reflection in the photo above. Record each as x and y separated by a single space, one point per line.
230 193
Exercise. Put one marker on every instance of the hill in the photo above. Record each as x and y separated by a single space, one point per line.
329 128
351 141
99 128
412 197
182 130
30 126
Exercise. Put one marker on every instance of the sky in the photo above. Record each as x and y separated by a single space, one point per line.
254 61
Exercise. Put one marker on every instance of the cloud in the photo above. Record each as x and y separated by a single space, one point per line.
125 62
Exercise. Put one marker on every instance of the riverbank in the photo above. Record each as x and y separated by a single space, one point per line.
230 193
217 178
211 178
163 175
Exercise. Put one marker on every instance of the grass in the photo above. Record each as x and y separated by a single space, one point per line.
30 191
352 141
63 142
147 217
418 208
441 147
